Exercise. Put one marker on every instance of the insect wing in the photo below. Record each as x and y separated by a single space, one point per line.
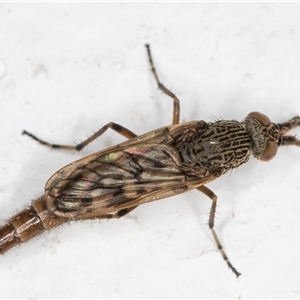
120 179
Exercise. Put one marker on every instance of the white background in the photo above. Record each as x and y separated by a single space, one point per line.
67 69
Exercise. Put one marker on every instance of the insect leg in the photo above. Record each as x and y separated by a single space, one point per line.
119 214
114 126
211 223
289 140
176 104
287 126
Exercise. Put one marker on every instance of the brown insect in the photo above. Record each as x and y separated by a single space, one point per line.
164 162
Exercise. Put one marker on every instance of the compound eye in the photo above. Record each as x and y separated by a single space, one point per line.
263 119
269 151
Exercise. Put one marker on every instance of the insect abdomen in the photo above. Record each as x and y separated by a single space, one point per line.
27 224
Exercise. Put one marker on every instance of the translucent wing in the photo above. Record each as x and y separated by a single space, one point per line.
121 179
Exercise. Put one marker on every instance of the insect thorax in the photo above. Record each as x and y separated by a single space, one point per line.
220 145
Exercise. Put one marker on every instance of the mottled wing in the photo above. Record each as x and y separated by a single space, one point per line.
123 178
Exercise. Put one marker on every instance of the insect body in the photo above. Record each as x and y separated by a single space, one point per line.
164 162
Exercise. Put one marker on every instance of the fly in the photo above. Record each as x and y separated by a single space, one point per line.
164 162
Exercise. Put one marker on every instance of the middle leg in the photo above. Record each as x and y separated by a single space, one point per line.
176 104
211 223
